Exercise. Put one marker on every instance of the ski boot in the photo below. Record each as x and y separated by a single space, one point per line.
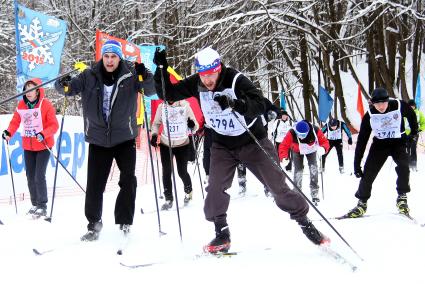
93 232
167 205
221 242
311 232
315 196
32 210
357 211
206 180
402 206
125 228
187 198
40 212
341 170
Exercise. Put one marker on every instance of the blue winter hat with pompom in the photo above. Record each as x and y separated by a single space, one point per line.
302 128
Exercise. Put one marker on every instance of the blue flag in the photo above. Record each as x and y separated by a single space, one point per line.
325 104
418 92
39 43
282 100
147 52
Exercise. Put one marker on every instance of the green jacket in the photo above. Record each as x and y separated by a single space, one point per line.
421 122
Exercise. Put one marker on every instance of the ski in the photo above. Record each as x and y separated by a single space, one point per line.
1 223
134 266
336 256
217 254
38 252
196 256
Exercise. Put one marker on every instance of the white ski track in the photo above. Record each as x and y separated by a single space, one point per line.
325 249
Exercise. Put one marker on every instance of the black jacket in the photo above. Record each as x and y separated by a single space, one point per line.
366 129
121 125
244 90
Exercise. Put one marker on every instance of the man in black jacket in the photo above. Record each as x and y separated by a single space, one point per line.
384 120
109 94
224 93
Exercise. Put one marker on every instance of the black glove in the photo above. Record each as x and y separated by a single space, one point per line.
350 141
40 137
271 115
65 81
224 102
154 140
141 70
190 123
358 172
160 58
5 134
415 138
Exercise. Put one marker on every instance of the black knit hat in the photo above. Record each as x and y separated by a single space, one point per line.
411 103
379 95
333 122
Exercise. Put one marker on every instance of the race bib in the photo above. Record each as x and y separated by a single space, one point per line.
386 125
31 121
177 121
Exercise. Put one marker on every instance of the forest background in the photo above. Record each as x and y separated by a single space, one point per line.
282 46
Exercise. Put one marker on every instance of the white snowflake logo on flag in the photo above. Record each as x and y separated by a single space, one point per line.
35 44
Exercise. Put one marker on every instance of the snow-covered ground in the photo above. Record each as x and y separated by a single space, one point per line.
272 248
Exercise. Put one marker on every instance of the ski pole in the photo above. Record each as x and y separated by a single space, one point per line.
157 172
197 164
321 177
59 143
11 176
63 166
153 171
167 122
197 151
78 66
293 183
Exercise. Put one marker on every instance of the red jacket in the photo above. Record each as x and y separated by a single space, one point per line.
50 123
290 142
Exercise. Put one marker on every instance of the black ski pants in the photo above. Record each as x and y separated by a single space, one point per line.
412 144
378 154
222 170
207 149
181 155
338 146
35 166
99 165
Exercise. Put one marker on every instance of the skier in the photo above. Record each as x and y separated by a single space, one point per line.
37 116
109 93
228 99
333 131
180 119
280 128
304 140
385 120
412 141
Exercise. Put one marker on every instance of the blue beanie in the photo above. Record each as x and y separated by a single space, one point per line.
302 128
112 46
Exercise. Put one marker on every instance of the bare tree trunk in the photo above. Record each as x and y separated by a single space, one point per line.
304 76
